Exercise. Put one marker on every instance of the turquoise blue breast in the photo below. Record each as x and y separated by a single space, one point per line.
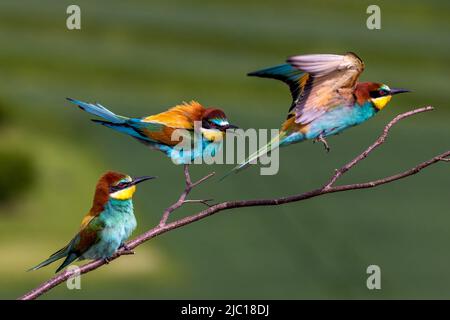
335 121
119 223
187 155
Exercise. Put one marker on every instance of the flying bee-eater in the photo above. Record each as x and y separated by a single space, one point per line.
158 131
327 98
108 224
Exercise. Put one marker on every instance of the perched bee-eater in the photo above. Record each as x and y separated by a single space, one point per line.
107 225
327 98
156 130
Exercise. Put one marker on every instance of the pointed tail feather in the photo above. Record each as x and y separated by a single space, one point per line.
122 127
130 126
272 145
69 259
54 257
100 111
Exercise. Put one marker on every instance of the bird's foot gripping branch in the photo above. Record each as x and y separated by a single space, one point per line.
329 187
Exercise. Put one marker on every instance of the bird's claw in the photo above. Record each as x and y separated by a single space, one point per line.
125 246
107 260
325 143
126 249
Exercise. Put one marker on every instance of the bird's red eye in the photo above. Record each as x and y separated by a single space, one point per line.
212 124
382 92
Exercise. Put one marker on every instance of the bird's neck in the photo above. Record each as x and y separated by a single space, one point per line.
367 106
125 206
361 113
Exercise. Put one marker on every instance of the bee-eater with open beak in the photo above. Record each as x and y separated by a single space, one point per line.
107 225
156 131
327 98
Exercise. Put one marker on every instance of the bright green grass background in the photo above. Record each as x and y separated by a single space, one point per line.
139 58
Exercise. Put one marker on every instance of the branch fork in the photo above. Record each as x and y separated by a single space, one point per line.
182 199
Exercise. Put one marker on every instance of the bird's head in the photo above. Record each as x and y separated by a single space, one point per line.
377 93
214 124
117 186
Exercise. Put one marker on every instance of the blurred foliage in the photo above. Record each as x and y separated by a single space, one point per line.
139 58
17 174
3 113
17 171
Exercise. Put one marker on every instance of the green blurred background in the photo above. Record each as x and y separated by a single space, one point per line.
140 58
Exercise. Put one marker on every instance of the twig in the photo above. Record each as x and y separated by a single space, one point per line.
381 139
329 187
205 202
182 199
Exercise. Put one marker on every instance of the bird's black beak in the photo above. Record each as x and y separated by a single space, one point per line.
397 91
140 179
230 126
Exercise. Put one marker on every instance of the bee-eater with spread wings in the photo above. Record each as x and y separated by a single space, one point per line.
327 98
107 225
158 131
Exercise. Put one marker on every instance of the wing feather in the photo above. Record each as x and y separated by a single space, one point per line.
331 81
159 127
179 117
88 235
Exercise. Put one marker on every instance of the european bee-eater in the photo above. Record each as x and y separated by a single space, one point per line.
107 225
327 98
156 130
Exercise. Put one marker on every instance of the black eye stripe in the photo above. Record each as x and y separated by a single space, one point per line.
378 93
120 186
208 124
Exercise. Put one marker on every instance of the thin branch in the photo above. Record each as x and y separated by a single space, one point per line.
381 139
127 252
205 202
182 199
329 187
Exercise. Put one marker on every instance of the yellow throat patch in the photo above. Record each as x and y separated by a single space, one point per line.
124 194
212 135
381 102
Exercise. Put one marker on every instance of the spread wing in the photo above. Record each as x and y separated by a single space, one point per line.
330 82
290 75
